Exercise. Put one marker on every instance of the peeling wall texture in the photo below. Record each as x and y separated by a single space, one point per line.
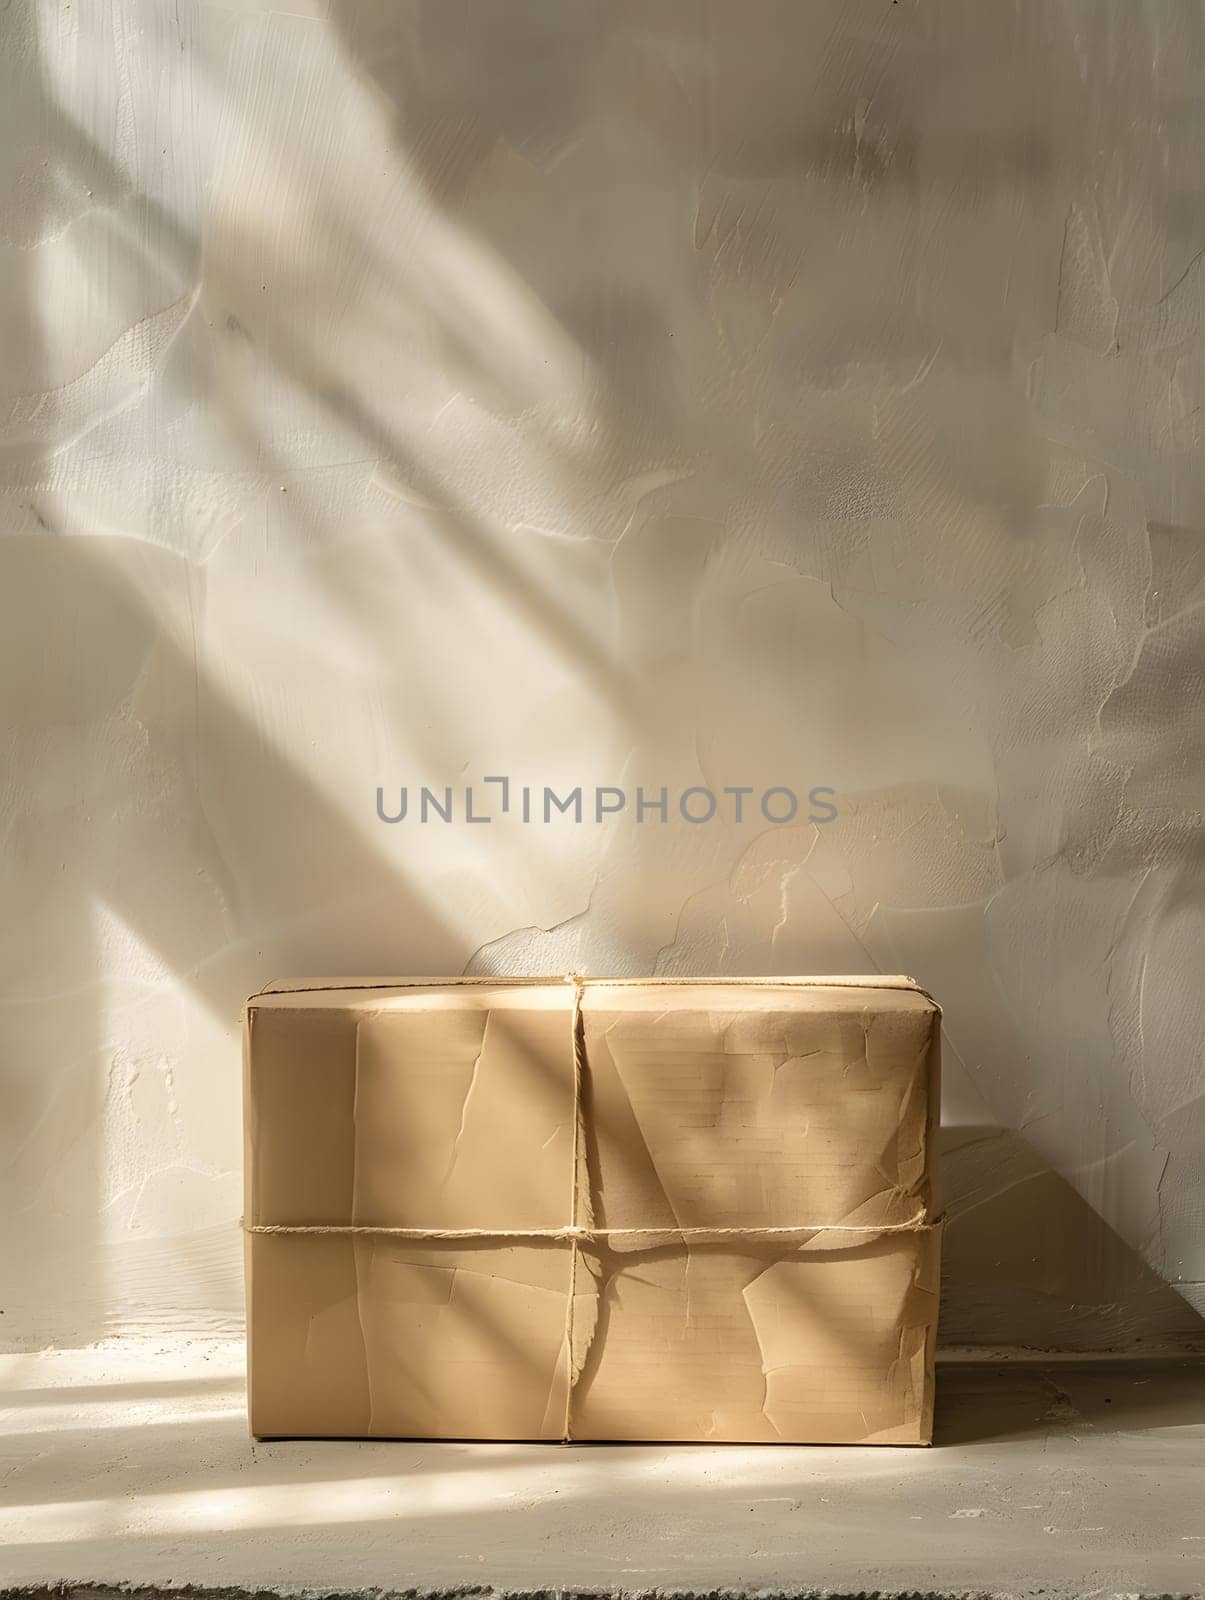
396 392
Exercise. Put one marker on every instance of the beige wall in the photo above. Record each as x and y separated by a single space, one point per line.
404 391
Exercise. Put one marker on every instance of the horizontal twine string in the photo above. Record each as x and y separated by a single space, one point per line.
912 1225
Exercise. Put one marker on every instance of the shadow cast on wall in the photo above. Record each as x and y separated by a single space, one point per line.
1025 1258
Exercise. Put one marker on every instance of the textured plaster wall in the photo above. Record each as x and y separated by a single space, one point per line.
404 391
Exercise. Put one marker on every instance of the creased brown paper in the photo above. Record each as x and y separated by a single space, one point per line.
733 1176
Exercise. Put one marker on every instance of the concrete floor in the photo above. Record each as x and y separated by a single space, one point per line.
132 1464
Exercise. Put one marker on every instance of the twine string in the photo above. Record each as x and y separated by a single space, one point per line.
578 1031
586 1235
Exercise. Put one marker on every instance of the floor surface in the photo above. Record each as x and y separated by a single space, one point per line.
131 1463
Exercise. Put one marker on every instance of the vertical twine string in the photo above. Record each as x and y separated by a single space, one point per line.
579 1063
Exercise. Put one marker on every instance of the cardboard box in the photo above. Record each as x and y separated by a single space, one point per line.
736 1178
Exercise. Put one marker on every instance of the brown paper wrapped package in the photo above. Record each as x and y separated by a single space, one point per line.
592 1209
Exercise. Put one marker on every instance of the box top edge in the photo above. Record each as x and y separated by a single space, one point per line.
289 991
